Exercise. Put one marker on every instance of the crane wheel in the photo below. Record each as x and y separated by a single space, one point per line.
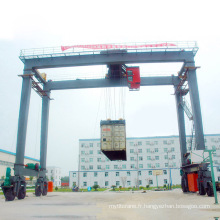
9 194
37 191
21 193
209 190
202 191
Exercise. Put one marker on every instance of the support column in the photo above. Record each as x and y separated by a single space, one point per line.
195 103
44 130
23 120
181 125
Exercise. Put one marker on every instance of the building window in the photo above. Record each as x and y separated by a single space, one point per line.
117 174
84 183
98 152
149 165
156 150
106 183
140 158
132 159
95 174
139 143
91 152
128 183
91 167
106 173
95 183
156 143
157 165
82 145
139 151
131 150
172 149
82 159
91 145
132 165
83 168
90 159
174 164
84 174
140 182
218 169
141 166
115 166
98 145
164 172
166 164
164 142
117 183
82 152
107 167
147 142
98 159
213 147
99 167
148 150
150 182
166 157
148 157
128 173
74 183
165 181
157 158
74 174
124 166
131 143
173 156
165 150
150 172
139 173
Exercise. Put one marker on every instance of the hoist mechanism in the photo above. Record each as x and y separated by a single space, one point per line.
119 71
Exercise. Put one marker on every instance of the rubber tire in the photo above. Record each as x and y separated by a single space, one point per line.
210 191
21 193
44 190
9 195
37 191
183 185
202 191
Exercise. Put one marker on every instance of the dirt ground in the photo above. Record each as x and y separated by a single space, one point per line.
112 205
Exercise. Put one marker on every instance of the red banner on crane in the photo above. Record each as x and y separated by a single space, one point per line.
114 46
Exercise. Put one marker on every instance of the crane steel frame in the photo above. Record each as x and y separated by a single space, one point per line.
33 63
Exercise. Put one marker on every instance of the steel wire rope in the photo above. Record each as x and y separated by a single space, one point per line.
97 114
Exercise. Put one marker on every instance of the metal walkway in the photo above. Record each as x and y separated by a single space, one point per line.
77 50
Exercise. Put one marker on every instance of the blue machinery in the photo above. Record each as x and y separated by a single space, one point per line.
34 60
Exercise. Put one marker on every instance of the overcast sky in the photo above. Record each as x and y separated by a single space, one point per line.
76 114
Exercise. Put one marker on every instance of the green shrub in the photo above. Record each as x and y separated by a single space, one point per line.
56 188
113 187
147 186
95 187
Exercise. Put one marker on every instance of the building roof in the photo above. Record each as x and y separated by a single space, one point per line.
11 153
155 137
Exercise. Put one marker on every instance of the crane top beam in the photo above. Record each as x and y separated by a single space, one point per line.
85 56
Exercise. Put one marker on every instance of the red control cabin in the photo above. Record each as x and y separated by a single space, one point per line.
133 78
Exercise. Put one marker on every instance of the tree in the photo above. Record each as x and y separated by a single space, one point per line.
95 187
3 177
123 179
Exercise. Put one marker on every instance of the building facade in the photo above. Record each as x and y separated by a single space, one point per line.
7 159
144 156
54 174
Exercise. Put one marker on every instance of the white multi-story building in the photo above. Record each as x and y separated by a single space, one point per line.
144 156
54 174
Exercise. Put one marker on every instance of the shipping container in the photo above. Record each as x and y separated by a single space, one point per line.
113 139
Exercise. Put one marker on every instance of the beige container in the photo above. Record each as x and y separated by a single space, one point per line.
113 139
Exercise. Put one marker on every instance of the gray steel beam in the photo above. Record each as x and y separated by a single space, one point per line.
102 83
181 125
195 103
104 59
44 130
23 119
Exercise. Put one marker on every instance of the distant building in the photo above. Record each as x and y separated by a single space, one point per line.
54 174
144 156
7 159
